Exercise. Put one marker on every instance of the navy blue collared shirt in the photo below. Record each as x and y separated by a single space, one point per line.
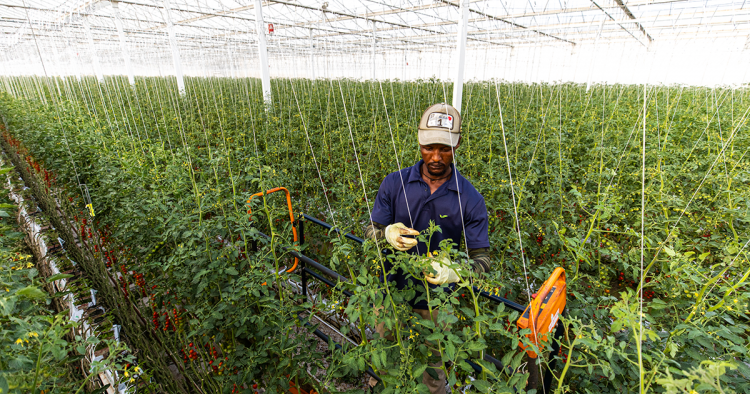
411 203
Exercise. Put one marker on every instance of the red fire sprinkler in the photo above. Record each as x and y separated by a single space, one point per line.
270 28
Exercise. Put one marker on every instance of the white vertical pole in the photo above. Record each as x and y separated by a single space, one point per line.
312 55
175 50
265 78
73 57
458 81
57 70
373 51
593 55
229 57
92 48
123 43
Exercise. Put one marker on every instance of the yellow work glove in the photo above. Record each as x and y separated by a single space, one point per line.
394 232
443 274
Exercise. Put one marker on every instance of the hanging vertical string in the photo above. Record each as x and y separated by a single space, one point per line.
643 216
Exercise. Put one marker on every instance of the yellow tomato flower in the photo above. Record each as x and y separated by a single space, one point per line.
19 341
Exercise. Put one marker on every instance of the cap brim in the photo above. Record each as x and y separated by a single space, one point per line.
443 137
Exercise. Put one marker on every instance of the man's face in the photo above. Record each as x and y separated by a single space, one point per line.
437 158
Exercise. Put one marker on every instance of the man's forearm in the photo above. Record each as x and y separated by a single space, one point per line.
480 259
374 231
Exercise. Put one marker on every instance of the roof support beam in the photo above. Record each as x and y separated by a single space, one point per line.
381 13
572 10
514 24
616 21
366 18
627 12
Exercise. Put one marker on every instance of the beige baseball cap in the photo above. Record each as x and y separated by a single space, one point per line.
440 124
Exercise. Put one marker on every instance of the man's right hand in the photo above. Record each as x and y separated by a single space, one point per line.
394 232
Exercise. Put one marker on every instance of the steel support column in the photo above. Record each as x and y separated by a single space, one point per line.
374 42
92 48
312 55
458 80
74 68
265 78
593 55
123 43
175 50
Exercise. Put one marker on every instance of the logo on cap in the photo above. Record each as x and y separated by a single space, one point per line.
437 119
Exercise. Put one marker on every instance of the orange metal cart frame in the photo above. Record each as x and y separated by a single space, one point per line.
291 214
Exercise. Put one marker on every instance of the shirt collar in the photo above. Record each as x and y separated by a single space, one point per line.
416 176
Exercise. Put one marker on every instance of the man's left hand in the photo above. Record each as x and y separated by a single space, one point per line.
443 274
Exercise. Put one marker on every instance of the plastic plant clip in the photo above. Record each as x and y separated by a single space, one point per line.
291 214
545 310
87 198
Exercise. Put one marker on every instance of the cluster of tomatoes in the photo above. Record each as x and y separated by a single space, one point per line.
178 319
124 287
12 141
190 354
168 322
49 177
236 389
110 259
140 281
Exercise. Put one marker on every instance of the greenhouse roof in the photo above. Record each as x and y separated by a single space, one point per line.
305 27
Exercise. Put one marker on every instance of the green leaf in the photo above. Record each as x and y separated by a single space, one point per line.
419 370
435 336
482 385
58 277
4 214
450 350
476 346
100 389
3 385
197 277
658 304
376 362
232 271
32 292
5 170
669 251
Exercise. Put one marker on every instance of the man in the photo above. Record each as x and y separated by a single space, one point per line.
431 190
